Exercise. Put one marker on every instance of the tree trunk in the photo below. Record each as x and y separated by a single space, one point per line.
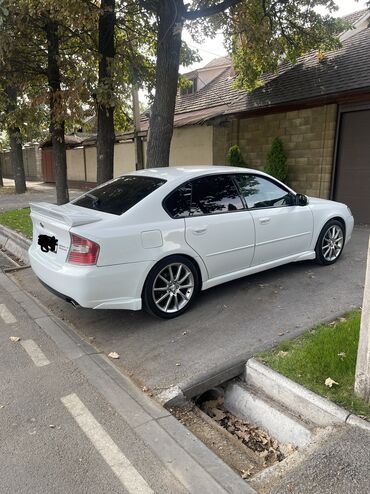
15 139
105 104
1 170
57 123
138 142
170 15
16 159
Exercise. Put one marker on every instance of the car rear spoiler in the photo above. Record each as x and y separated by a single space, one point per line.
63 214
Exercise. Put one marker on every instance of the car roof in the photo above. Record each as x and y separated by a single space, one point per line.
174 173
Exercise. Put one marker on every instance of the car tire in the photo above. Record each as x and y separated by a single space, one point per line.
330 243
171 287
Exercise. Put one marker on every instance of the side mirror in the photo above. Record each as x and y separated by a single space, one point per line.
301 200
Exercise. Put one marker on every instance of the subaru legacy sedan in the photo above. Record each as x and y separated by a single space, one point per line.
155 238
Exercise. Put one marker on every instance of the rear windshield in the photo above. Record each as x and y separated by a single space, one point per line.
119 195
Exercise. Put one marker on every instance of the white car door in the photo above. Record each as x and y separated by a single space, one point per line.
219 227
283 228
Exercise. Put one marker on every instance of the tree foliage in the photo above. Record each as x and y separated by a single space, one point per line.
276 162
260 35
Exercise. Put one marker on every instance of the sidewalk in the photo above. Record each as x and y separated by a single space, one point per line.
36 192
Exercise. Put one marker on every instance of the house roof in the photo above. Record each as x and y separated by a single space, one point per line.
218 62
342 71
355 16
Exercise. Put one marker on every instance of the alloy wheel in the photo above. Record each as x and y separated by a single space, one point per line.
332 243
173 287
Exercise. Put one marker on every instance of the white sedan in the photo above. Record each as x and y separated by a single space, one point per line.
156 237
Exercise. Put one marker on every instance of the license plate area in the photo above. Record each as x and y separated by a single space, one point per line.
48 244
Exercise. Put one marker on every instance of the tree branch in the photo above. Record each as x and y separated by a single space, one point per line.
191 15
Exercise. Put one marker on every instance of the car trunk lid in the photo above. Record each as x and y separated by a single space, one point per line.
52 225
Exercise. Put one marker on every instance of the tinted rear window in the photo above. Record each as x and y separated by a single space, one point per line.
119 195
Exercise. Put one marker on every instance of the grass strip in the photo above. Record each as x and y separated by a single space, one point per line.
18 220
327 351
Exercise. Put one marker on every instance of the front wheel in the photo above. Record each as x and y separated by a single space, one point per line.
171 287
330 243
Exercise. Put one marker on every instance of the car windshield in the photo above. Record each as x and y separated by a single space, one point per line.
120 194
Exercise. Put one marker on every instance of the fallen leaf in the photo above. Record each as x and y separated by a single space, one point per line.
342 355
14 338
113 355
282 333
329 382
218 414
247 473
282 353
342 319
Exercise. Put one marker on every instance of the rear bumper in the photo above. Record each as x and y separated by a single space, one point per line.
104 287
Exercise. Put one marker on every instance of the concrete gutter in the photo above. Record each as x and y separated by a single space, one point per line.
15 244
304 403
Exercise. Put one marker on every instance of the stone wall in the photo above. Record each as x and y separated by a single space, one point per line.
31 160
308 136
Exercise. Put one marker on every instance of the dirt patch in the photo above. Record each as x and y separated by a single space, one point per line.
246 448
231 451
259 441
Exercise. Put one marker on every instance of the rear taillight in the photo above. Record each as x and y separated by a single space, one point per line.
82 251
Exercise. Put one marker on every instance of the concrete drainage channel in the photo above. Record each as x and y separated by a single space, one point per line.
14 250
262 423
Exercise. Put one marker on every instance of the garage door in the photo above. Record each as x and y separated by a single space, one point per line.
352 184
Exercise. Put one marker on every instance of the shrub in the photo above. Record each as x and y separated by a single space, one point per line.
235 157
277 161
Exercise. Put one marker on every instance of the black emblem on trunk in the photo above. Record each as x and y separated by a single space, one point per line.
47 243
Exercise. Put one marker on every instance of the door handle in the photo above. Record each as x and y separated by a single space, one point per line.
200 231
263 221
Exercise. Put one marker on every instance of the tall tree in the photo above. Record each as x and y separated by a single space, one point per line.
105 92
15 140
261 34
57 122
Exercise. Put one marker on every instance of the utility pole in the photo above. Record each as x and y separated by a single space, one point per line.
362 379
138 143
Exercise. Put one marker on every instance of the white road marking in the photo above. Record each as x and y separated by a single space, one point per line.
35 352
121 466
6 315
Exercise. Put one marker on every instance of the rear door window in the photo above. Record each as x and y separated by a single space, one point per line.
215 194
120 194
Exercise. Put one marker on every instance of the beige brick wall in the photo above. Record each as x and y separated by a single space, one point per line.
308 137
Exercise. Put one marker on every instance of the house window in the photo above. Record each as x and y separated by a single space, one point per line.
191 89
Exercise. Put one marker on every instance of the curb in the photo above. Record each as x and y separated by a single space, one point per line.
307 404
15 243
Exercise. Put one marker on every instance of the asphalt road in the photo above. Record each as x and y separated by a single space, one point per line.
226 325
43 449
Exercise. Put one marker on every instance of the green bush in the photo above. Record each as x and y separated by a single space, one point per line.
277 161
235 157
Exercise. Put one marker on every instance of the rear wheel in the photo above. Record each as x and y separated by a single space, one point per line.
171 287
330 243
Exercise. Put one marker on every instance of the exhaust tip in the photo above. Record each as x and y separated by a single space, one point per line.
74 303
